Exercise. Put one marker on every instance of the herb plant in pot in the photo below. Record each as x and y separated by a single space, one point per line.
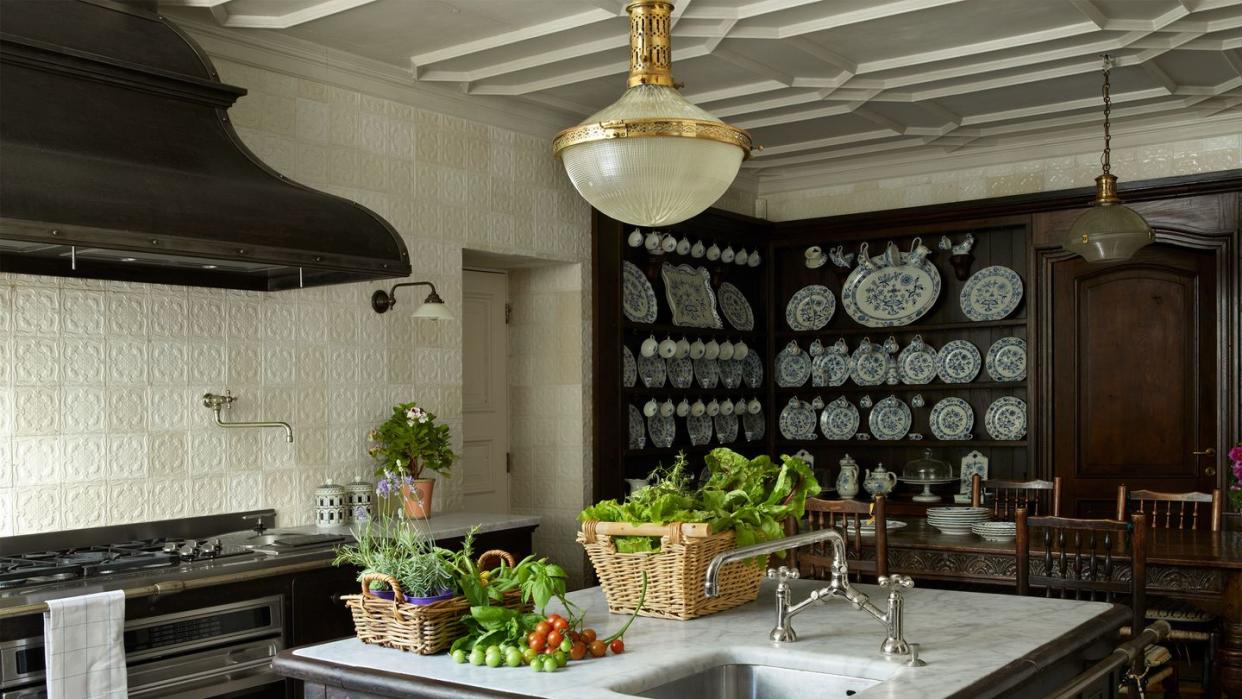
393 549
405 447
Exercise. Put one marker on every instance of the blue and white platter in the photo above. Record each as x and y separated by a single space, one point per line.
638 299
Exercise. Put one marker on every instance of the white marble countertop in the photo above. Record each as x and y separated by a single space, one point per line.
447 525
964 637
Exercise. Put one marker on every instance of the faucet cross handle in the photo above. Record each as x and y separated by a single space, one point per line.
783 573
895 582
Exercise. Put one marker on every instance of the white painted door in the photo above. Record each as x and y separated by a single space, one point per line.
485 391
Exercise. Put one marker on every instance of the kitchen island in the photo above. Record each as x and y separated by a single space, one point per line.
975 645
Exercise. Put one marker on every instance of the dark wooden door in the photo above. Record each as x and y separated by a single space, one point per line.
1133 375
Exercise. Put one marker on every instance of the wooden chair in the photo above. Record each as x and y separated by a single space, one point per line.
1079 563
1173 510
1183 511
1038 498
815 561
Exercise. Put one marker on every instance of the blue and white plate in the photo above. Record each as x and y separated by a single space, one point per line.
958 362
952 418
869 365
663 430
797 420
652 371
752 370
638 299
730 372
890 419
793 367
1006 418
638 433
916 364
680 372
735 308
992 293
1006 360
884 293
753 426
629 370
699 427
810 308
690 296
839 419
706 372
726 428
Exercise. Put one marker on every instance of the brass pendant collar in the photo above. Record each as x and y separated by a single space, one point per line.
651 52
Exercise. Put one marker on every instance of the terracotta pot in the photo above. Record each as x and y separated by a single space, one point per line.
417 498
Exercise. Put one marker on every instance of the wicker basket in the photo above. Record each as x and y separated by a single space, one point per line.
416 628
675 575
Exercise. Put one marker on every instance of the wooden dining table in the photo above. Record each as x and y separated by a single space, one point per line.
1201 567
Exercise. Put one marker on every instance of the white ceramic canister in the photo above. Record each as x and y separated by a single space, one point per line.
359 500
330 505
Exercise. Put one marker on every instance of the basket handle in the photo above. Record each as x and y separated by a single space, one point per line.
397 594
495 553
674 531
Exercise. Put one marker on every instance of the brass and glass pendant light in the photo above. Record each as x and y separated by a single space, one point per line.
1109 230
651 158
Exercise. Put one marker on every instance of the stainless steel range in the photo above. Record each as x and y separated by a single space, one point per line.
207 643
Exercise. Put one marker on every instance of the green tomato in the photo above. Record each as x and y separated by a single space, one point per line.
493 659
505 648
536 663
529 654
493 650
477 656
561 658
567 645
459 656
513 658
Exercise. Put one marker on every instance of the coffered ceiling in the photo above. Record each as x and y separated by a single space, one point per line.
821 84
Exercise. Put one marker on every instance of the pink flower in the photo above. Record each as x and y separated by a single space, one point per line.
1235 454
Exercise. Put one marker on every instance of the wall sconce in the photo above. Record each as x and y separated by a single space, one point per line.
433 306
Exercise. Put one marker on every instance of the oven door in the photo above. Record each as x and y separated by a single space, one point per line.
230 671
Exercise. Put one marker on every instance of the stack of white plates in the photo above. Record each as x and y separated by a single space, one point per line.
995 531
956 520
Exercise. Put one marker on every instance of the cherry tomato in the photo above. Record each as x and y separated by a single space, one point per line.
560 624
597 649
578 651
537 640
553 617
618 646
588 636
554 639
543 627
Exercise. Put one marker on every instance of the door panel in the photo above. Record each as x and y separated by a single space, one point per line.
485 392
1133 375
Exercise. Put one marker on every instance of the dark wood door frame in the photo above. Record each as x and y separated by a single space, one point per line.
1214 229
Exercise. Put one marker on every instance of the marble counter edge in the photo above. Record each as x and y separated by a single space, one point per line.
446 526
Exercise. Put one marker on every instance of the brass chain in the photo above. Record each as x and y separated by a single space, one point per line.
1108 108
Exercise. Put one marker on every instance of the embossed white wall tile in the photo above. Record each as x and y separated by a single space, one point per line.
36 460
82 361
36 360
167 455
206 318
127 361
207 452
311 120
127 456
167 315
279 455
244 449
171 499
6 309
6 512
245 365
127 314
244 320
36 410
280 321
310 323
311 448
36 311
127 409
206 364
86 505
342 324
278 365
245 491
85 458
83 409
311 365
82 312
127 501
343 366
167 362
38 509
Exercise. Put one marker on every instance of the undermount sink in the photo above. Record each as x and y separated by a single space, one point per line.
260 540
741 681
288 540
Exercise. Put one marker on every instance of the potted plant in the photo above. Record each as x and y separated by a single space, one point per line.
405 446
394 547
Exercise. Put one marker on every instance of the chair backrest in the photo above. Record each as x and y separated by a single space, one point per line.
1038 498
1173 510
1078 559
815 561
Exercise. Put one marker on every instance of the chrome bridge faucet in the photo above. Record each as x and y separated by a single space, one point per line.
838 586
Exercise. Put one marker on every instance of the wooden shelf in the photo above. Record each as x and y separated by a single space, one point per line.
905 388
671 391
883 444
904 329
738 445
676 331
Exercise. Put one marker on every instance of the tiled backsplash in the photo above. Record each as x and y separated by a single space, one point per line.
101 420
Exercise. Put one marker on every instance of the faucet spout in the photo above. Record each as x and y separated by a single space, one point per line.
710 587
216 402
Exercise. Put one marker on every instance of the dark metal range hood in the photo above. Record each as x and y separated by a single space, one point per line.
118 161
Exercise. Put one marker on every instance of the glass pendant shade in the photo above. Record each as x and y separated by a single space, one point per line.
651 158
1108 231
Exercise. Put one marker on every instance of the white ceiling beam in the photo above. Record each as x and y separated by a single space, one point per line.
1155 72
1009 42
756 67
840 19
516 65
881 120
536 31
770 152
1091 11
311 13
754 9
578 76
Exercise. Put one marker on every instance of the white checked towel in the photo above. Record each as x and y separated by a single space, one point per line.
84 646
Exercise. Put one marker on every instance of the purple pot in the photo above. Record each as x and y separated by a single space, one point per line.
387 594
